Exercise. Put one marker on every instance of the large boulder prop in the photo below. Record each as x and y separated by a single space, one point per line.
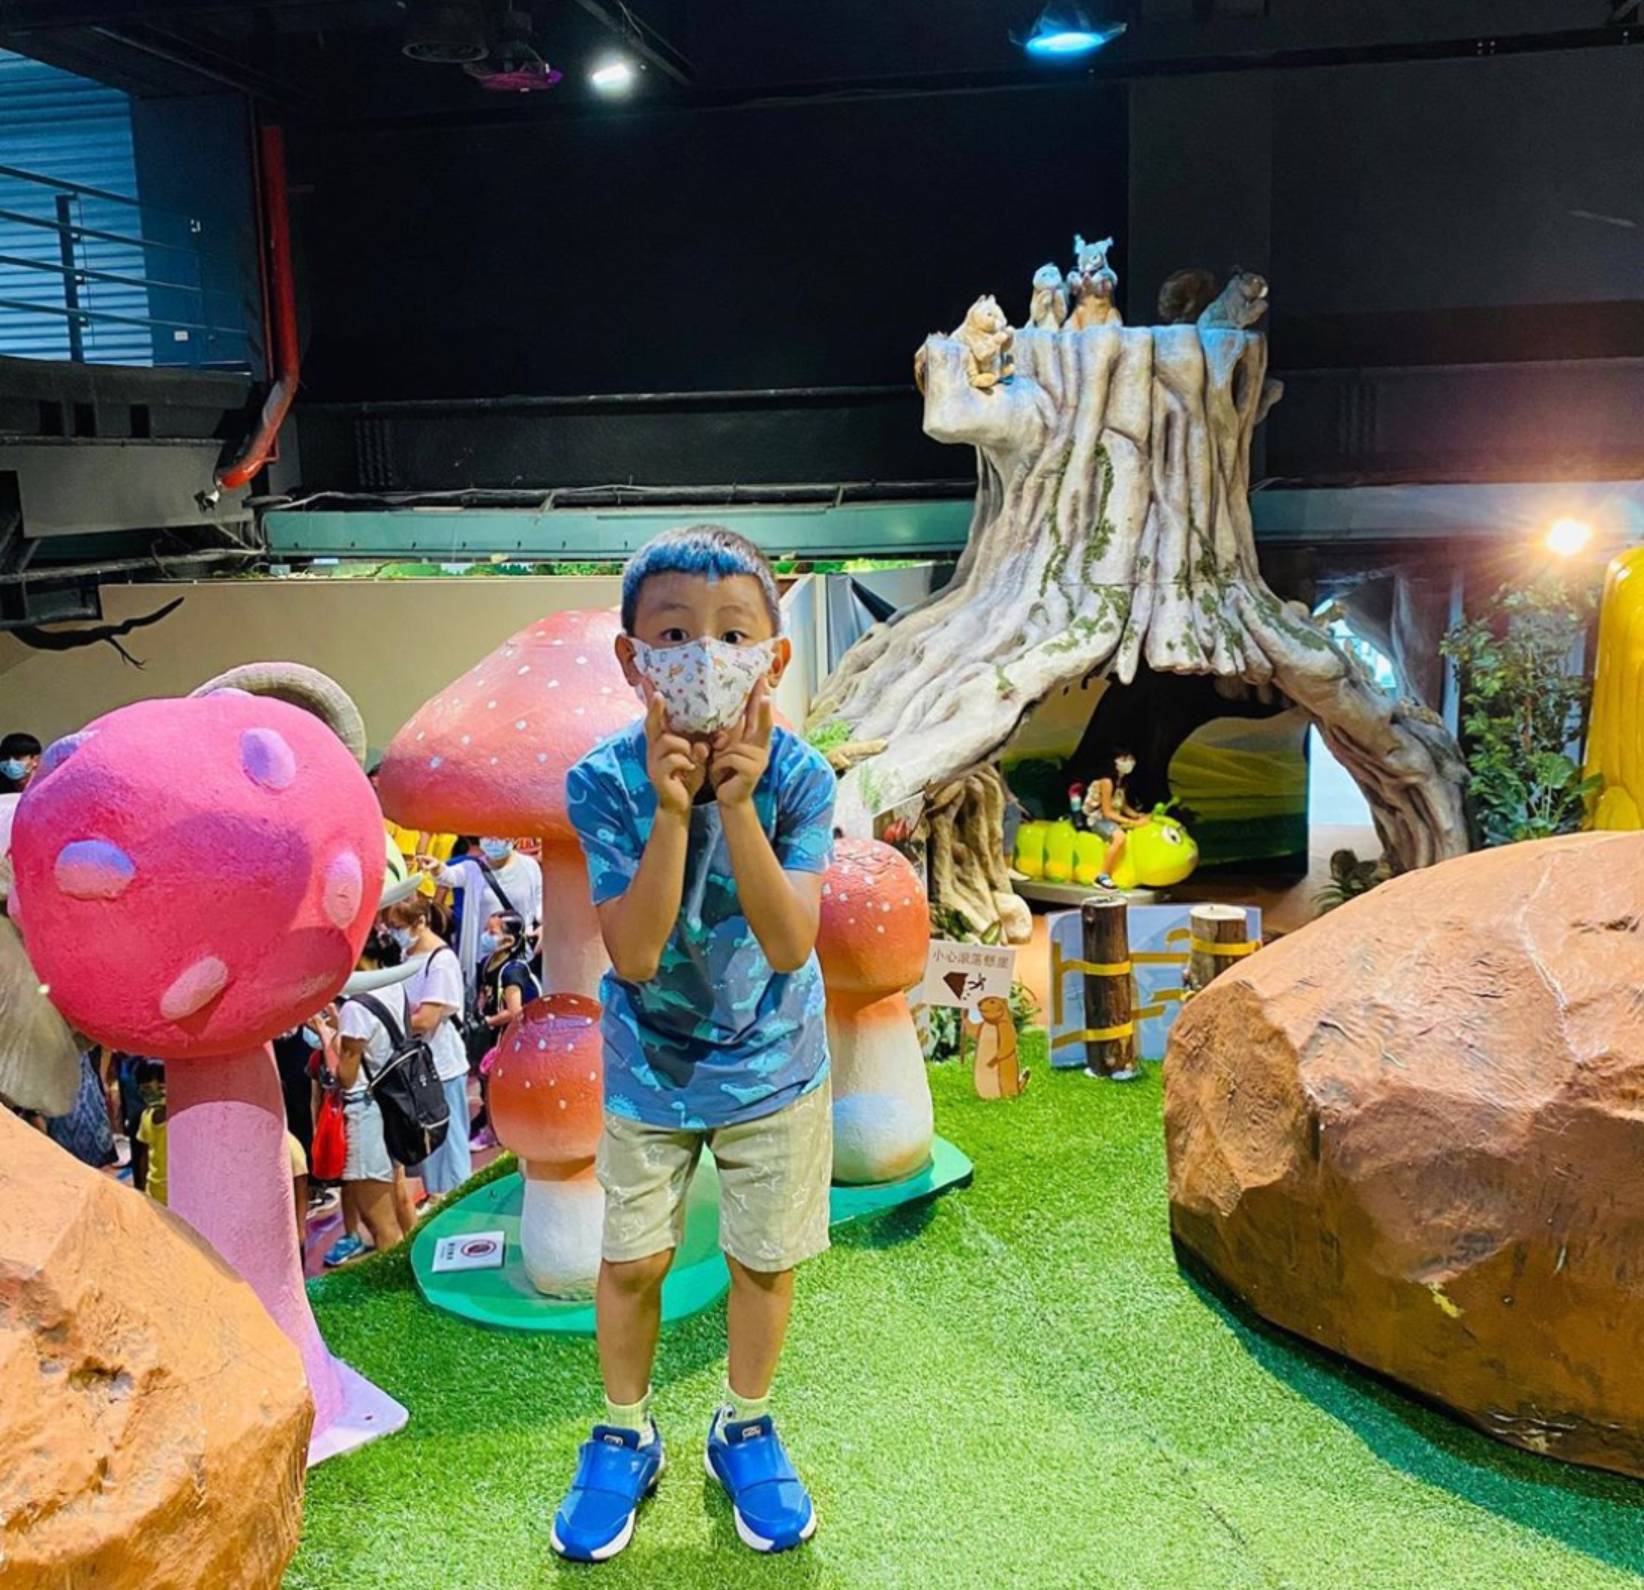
1412 1133
153 1418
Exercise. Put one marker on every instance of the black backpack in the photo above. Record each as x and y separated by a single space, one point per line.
408 1091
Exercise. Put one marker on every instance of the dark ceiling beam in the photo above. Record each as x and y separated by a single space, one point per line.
48 16
194 57
642 39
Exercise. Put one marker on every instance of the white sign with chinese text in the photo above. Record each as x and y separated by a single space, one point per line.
959 975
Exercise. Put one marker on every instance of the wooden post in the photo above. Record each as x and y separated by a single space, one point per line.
1110 991
1218 939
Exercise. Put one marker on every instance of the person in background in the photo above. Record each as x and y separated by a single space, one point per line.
85 1131
19 757
499 878
1108 811
436 1000
299 1190
293 1059
506 986
363 1047
148 1144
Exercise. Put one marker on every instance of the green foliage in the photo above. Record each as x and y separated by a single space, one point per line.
830 736
1349 878
1523 708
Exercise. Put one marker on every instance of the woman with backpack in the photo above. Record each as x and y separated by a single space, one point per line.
435 997
364 1046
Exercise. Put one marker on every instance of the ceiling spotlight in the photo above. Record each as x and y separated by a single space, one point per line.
1567 537
614 77
1065 31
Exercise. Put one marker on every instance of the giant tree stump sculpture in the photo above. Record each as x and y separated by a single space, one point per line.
1112 529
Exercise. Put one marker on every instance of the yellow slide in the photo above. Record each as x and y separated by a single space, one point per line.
1615 737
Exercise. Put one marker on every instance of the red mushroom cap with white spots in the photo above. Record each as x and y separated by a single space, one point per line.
547 1091
489 753
196 876
875 930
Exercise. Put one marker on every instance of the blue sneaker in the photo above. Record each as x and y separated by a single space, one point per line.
772 1508
342 1250
615 1473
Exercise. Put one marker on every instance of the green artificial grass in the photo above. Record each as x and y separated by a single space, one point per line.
1013 1385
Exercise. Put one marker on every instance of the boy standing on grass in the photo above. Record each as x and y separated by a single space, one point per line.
706 851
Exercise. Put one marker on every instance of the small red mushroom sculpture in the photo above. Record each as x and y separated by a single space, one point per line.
193 877
873 943
547 1104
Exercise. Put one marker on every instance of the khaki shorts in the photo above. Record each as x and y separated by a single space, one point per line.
774 1175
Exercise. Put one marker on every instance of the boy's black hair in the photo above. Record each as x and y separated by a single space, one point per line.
150 1071
711 550
17 744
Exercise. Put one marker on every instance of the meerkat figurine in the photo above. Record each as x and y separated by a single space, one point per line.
1049 307
996 1070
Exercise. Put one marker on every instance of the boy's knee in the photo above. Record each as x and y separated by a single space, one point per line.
636 1277
763 1280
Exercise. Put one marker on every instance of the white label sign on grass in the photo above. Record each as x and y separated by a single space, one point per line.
958 975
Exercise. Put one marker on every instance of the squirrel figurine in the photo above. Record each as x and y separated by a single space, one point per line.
1049 306
996 1072
987 339
1091 285
1240 304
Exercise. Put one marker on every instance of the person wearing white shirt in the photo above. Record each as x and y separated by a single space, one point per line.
506 873
435 996
364 1047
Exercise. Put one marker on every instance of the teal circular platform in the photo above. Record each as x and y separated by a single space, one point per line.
505 1299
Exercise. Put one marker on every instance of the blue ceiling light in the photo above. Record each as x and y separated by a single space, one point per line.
1065 31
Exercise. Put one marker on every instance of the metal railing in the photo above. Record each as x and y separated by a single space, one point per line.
99 277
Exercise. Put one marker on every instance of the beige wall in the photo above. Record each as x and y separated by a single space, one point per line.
391 643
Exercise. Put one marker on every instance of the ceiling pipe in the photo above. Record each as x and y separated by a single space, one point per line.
282 293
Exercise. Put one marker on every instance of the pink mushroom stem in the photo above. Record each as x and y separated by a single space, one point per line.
231 1181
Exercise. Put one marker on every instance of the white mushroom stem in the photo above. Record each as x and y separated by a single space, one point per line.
560 1227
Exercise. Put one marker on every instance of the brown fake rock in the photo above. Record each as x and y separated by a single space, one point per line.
153 1419
1413 1132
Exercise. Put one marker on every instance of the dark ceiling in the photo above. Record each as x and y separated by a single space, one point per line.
342 60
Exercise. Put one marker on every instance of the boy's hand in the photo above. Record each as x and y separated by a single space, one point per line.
741 755
676 765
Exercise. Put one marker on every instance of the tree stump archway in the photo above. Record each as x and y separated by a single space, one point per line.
1112 528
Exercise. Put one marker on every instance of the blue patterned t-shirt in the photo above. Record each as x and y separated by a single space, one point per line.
717 1036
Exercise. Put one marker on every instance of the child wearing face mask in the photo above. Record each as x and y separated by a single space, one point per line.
1109 813
707 831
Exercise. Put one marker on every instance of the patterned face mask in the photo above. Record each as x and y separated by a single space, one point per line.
704 684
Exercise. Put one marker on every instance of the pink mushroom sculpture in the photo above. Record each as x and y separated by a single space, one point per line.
547 1105
489 754
193 877
873 942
